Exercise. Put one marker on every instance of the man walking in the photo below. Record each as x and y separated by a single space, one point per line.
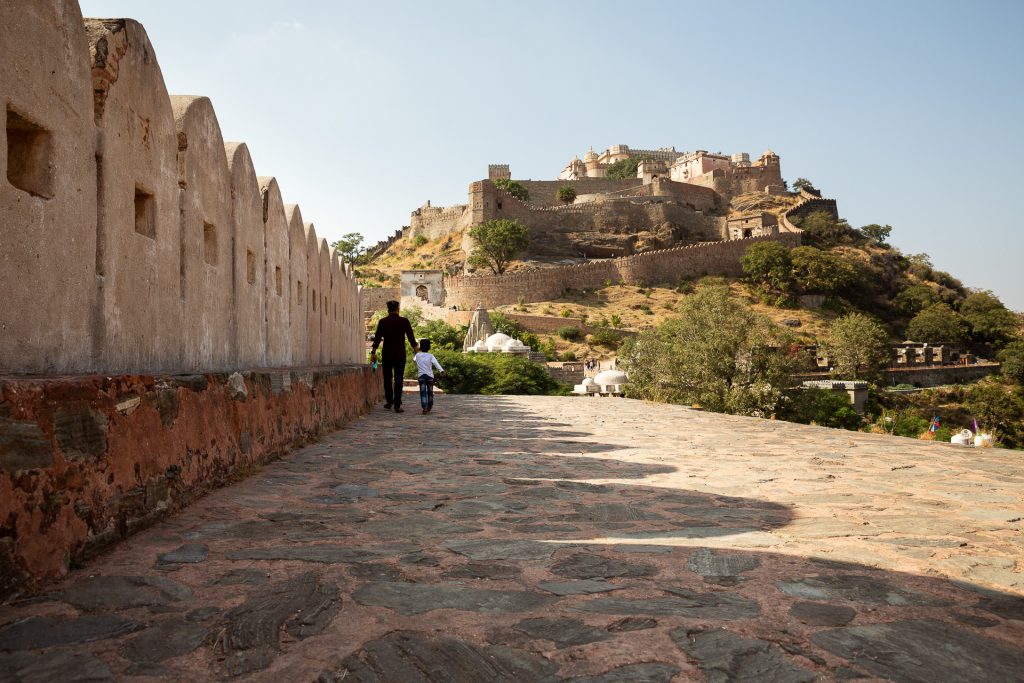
392 329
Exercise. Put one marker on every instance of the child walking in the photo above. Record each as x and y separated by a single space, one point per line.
425 364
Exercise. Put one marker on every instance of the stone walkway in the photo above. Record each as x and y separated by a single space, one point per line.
547 539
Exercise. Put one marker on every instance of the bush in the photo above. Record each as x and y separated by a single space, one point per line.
568 333
937 323
606 337
442 335
491 373
822 407
568 356
823 230
419 241
565 313
566 194
514 188
1012 358
768 266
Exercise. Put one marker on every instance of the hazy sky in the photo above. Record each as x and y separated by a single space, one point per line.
908 113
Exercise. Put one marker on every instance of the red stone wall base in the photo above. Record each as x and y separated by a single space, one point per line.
88 460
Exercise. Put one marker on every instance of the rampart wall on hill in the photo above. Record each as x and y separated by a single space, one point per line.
666 266
136 239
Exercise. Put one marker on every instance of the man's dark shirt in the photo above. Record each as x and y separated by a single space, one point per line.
392 329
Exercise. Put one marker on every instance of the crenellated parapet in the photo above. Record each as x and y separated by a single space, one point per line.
135 238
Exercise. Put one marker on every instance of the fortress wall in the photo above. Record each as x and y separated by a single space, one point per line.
140 269
667 266
544 192
313 294
253 284
298 290
204 191
134 239
375 298
326 310
48 208
433 223
277 274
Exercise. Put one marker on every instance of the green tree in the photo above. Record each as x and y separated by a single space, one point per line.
514 188
717 353
916 298
624 168
877 233
823 230
491 373
819 272
566 194
768 266
988 318
497 242
1012 358
802 184
857 347
350 247
822 407
442 335
996 407
937 323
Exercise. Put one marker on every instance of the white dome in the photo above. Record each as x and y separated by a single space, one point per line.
480 346
515 346
587 381
496 341
610 377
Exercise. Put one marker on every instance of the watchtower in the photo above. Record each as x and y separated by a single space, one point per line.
498 172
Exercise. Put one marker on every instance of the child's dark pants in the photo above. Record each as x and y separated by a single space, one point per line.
426 392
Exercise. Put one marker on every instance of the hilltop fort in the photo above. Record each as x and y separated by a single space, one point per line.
682 214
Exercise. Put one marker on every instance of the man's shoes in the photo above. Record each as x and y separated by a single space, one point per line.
387 406
425 411
399 409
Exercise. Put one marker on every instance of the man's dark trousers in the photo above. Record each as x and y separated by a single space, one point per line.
393 388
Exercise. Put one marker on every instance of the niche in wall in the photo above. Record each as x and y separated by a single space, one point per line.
250 267
145 213
29 156
278 284
300 293
210 244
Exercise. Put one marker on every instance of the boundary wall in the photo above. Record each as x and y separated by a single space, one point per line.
135 239
646 269
88 461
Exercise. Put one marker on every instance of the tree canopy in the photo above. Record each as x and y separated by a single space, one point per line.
496 243
988 318
820 272
877 233
767 266
514 188
566 194
802 184
823 230
350 246
857 347
937 323
716 353
624 168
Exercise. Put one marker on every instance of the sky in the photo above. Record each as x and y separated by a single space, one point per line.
908 113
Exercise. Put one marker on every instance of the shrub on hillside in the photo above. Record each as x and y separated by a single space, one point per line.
822 407
606 337
1012 358
857 347
568 333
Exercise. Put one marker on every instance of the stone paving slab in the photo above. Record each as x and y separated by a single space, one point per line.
561 539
